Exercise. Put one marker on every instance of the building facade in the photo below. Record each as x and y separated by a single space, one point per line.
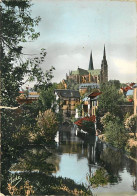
91 75
67 101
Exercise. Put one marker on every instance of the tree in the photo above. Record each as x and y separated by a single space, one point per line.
60 86
47 125
71 84
116 134
116 83
110 100
131 124
18 27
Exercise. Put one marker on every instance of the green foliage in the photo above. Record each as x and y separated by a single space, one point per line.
88 126
18 27
107 118
71 84
47 125
21 137
126 116
116 83
110 100
116 134
35 160
133 151
59 117
79 107
43 184
131 124
47 98
99 178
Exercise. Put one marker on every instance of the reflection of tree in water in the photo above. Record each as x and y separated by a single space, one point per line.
34 159
99 178
131 166
27 160
34 168
9 157
113 161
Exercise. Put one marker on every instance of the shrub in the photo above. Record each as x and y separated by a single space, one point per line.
116 134
22 136
131 124
107 118
47 124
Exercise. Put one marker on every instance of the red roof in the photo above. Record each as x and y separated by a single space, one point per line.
21 92
125 89
95 94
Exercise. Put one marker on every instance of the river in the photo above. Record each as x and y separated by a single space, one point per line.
78 158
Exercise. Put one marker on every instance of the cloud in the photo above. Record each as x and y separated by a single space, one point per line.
70 29
123 70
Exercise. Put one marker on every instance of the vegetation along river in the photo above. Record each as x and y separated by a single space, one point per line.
80 157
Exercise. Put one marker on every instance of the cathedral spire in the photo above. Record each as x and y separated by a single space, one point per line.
104 69
104 57
91 63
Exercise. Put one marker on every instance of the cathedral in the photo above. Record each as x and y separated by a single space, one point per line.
91 75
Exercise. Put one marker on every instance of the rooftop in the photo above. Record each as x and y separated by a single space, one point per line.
80 71
94 72
68 93
92 85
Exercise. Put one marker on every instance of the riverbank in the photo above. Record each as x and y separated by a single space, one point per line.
130 148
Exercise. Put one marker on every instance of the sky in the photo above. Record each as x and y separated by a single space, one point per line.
70 29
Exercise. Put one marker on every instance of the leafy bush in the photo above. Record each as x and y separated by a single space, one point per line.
116 134
47 124
107 118
22 136
131 124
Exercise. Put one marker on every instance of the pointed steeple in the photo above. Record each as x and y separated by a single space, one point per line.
104 56
104 68
91 63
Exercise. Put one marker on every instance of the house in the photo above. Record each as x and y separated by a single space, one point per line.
90 104
27 98
83 88
66 101
94 102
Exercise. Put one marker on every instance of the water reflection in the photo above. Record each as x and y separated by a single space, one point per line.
82 156
76 158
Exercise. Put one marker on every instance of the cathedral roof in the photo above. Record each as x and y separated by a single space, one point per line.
80 71
94 72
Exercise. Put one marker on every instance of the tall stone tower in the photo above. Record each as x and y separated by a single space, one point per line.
91 63
104 69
